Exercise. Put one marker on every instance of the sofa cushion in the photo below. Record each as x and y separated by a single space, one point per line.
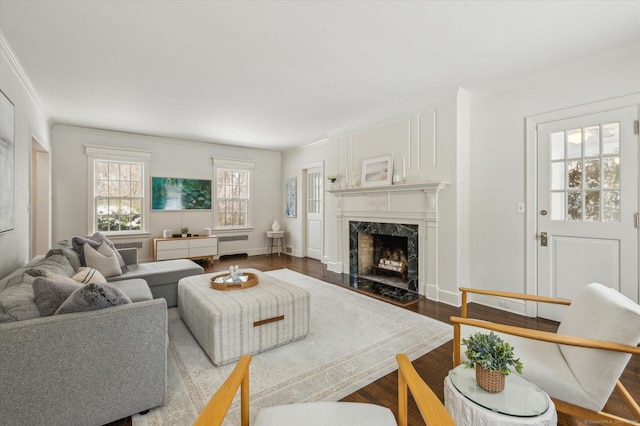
16 299
39 272
137 289
65 248
91 297
94 241
86 275
103 259
56 263
49 294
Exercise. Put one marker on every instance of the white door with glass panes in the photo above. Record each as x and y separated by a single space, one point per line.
587 204
313 205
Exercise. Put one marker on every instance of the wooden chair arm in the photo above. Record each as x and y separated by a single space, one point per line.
521 296
216 409
545 336
431 408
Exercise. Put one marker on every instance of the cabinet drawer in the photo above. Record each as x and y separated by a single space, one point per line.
202 251
172 245
172 254
202 242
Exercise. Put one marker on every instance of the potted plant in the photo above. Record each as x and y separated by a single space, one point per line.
491 357
332 178
185 231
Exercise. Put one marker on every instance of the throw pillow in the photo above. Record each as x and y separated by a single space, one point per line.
16 299
50 294
93 296
38 272
103 259
57 264
65 248
88 275
94 241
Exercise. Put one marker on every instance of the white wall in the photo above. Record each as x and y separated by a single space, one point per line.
169 158
425 145
30 122
498 157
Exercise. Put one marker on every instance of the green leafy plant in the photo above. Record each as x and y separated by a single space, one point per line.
185 230
490 352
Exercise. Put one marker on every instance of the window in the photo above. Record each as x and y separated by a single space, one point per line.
117 202
233 194
585 174
118 196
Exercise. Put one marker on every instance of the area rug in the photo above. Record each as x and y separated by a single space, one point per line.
353 340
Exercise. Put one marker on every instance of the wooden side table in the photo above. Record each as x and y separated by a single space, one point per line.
275 239
520 403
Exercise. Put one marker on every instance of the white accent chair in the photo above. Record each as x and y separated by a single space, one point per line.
326 413
580 365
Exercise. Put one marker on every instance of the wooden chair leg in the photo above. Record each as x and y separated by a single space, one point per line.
402 400
626 397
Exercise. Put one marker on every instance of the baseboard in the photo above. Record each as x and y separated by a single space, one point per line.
448 297
335 267
504 304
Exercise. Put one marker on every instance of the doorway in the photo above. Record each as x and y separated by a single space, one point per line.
39 200
586 205
313 211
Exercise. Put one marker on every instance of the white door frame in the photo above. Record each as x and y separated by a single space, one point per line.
531 180
303 210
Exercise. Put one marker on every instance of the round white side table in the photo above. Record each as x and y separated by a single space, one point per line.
520 403
275 239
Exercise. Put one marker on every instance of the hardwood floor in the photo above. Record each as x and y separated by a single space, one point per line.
434 366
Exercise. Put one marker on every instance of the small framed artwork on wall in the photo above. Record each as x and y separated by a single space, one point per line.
291 196
377 171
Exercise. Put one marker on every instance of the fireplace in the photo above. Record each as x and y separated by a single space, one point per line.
384 252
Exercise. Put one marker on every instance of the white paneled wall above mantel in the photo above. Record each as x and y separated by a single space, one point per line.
415 204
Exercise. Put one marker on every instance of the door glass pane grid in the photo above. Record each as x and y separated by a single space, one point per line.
585 174
314 192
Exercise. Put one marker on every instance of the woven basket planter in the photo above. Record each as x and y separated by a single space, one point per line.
491 381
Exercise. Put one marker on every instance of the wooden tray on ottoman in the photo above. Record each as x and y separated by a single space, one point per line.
252 280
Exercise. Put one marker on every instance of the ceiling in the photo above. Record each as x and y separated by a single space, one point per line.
279 74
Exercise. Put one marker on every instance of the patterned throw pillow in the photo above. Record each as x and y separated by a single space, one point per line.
103 259
16 299
88 275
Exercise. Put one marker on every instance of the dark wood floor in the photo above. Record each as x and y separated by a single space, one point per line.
434 366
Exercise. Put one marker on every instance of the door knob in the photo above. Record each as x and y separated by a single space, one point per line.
543 212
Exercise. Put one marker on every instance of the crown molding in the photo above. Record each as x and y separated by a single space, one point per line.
17 68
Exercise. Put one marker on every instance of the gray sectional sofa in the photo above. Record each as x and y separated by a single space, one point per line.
91 367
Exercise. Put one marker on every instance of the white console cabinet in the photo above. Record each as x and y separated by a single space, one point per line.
205 247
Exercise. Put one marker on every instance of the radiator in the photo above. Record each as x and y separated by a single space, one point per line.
233 244
135 244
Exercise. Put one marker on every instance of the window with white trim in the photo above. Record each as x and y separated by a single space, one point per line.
117 190
233 189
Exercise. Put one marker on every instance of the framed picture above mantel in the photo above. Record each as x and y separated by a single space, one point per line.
377 171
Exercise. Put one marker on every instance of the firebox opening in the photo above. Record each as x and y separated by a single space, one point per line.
383 258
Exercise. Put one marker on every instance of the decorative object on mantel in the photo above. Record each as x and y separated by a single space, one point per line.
491 357
275 226
377 171
332 178
166 233
185 231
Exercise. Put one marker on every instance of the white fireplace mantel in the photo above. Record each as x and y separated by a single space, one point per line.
413 203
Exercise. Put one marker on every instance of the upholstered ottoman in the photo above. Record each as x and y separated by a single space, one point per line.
232 323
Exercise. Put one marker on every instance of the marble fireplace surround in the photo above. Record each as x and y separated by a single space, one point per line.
394 205
397 230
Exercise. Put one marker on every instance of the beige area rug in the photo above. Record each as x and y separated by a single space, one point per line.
353 340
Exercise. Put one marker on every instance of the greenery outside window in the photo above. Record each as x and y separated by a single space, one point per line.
119 196
233 203
118 203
